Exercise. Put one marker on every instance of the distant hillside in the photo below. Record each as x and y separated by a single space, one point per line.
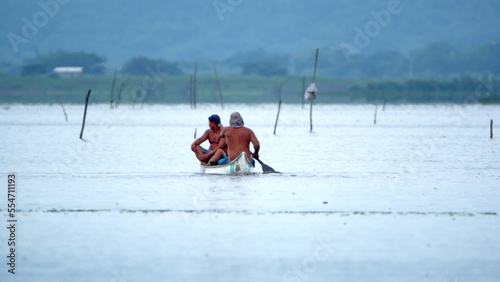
218 29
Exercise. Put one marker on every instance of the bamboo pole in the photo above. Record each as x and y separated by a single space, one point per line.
194 85
218 88
145 97
120 92
311 116
491 129
313 80
277 117
135 98
315 65
112 90
191 91
85 114
375 102
64 111
303 90
279 109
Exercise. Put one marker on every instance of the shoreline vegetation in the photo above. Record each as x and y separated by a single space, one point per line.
244 89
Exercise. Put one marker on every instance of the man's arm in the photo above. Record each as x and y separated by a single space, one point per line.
220 145
256 144
200 140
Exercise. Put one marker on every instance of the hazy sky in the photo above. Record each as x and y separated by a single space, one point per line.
118 29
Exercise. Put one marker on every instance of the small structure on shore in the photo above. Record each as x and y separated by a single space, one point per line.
68 71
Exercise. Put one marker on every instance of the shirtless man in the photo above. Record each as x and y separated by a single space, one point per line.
238 139
213 136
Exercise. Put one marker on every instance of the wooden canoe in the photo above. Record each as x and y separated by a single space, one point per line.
240 165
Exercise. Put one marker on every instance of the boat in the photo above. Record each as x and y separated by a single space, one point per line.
240 165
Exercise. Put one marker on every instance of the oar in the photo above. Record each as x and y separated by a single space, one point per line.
266 168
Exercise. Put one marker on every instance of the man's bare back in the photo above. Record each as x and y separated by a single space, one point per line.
238 140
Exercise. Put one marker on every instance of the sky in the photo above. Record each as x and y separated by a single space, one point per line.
217 29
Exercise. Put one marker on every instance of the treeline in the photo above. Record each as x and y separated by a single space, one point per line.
246 89
436 60
464 89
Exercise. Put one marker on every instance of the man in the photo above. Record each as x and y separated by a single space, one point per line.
213 136
238 139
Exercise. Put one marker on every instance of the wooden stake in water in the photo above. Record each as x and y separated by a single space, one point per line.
311 116
279 109
277 117
145 97
137 94
194 85
195 133
112 91
218 88
315 65
120 92
85 114
60 103
375 102
491 129
303 90
313 80
191 91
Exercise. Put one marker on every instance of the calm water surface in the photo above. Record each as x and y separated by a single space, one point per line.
414 197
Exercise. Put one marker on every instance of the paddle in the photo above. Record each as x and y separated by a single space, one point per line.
266 168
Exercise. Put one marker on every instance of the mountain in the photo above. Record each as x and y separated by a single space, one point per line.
217 29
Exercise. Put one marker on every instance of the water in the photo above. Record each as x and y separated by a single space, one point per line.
414 197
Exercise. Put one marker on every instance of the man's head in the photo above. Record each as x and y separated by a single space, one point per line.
215 119
236 120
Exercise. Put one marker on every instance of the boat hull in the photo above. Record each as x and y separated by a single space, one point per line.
240 165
